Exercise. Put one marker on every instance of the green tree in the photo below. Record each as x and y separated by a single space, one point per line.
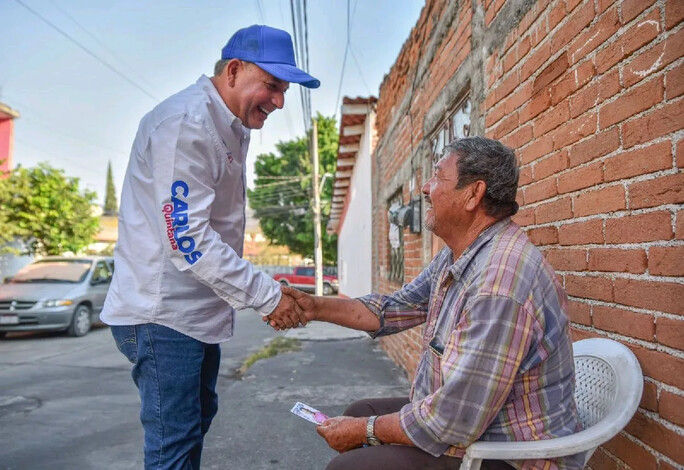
110 205
46 210
283 194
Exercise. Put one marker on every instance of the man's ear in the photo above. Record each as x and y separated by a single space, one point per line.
476 194
232 69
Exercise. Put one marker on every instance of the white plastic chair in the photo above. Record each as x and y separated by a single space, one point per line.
608 390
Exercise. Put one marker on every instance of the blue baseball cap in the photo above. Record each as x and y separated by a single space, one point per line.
271 49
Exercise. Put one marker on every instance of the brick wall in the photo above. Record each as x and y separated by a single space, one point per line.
588 93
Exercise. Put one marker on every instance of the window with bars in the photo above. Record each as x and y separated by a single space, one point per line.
396 243
457 125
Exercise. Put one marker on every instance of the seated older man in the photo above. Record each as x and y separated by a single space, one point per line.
497 359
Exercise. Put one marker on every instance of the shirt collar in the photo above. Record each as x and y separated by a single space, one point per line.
459 265
233 121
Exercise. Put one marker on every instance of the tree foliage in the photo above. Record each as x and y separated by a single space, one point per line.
46 210
110 205
283 196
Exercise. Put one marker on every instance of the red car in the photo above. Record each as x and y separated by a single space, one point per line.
304 278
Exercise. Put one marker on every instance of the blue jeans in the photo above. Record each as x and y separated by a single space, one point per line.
176 377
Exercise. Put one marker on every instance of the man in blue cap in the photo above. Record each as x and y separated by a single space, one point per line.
179 268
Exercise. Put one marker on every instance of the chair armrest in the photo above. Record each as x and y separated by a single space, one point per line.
582 441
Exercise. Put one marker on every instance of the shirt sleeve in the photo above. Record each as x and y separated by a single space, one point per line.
404 309
186 169
478 368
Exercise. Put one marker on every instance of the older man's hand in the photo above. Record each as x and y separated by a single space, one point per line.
343 433
287 314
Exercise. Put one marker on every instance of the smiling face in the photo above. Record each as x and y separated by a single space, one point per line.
251 93
444 203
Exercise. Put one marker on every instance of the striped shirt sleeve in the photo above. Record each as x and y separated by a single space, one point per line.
478 368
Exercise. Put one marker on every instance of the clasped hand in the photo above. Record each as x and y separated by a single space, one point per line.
295 308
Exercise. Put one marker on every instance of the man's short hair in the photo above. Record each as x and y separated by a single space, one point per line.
220 65
488 160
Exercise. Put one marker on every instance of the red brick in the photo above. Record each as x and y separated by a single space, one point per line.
596 93
679 226
635 37
632 8
603 5
657 436
571 4
631 453
509 60
524 217
670 332
554 163
579 312
551 119
560 209
576 22
666 260
535 61
580 178
494 114
653 59
543 236
658 191
540 191
535 106
525 176
608 199
519 137
517 98
666 466
523 47
550 73
594 36
624 322
567 260
589 287
679 152
661 296
596 146
674 13
506 86
639 162
581 233
669 118
538 148
600 461
556 15
639 228
506 125
649 399
574 130
660 366
674 82
618 260
632 102
671 407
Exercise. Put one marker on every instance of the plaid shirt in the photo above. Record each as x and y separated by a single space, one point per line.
497 360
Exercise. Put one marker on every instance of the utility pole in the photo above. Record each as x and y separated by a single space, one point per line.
318 248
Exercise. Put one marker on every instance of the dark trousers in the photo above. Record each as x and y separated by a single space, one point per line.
394 457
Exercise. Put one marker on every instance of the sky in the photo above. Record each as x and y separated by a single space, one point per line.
81 99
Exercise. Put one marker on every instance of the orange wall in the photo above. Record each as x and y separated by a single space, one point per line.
6 136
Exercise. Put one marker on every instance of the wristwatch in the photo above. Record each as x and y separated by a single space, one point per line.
371 438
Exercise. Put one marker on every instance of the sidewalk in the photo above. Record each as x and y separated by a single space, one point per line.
335 366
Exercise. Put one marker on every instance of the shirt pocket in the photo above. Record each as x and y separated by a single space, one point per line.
436 352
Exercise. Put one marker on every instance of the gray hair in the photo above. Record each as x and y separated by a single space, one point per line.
220 65
488 160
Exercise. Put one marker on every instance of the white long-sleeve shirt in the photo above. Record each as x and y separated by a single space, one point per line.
178 260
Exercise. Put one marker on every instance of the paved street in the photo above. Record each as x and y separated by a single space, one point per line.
69 403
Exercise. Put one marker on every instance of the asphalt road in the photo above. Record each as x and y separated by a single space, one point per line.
69 403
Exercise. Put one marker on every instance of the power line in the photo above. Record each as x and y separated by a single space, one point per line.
344 63
101 43
85 49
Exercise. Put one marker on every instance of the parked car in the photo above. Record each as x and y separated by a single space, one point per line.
56 293
304 278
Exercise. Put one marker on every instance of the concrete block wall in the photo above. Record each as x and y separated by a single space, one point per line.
589 94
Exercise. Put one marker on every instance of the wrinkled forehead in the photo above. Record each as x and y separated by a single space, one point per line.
264 75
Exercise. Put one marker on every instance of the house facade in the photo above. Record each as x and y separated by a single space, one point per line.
589 94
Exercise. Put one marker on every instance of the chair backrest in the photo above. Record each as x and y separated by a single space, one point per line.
608 385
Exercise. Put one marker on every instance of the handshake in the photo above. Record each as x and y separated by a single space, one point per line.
295 308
